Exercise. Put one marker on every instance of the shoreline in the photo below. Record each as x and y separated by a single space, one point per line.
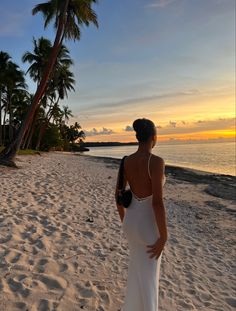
173 169
219 185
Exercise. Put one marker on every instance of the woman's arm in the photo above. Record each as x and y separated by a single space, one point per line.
158 207
158 174
121 209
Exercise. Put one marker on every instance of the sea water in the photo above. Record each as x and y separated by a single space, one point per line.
217 157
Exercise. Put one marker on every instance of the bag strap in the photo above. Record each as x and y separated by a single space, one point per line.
121 173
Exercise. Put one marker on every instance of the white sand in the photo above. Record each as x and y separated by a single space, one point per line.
51 258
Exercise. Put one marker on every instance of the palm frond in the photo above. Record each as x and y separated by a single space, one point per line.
46 9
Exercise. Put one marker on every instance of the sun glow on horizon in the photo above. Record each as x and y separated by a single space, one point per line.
205 130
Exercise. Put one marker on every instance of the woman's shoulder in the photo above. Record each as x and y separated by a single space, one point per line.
158 167
158 160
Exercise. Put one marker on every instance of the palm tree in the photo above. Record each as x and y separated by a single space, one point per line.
68 16
4 61
66 114
40 56
21 101
11 81
72 133
38 61
62 82
14 81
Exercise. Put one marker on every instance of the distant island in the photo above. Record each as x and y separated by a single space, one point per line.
83 146
107 144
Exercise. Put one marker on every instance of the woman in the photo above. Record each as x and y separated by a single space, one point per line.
144 221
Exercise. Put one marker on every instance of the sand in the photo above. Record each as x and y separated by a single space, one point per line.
62 248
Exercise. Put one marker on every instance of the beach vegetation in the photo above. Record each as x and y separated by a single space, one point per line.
67 16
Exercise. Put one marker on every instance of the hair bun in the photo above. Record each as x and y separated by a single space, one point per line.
144 128
139 124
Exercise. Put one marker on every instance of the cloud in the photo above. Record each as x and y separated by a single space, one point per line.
95 132
217 123
160 3
133 101
177 127
197 126
128 128
172 124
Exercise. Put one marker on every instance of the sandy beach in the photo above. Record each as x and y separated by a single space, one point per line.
62 248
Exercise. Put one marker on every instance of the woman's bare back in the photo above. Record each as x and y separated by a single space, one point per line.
137 174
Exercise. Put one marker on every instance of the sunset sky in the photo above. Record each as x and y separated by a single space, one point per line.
172 61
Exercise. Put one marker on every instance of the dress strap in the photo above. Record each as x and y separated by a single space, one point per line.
149 165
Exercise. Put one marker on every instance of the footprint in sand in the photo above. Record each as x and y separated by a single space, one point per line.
16 258
87 291
88 234
186 305
41 265
5 239
63 267
231 301
17 287
13 256
38 243
21 306
43 305
105 296
52 283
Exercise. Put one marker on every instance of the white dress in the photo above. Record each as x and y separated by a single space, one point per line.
140 228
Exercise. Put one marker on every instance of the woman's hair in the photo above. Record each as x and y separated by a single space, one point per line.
144 128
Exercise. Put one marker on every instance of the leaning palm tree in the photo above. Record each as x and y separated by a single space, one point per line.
38 60
68 17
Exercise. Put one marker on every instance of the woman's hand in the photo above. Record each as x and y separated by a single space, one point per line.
156 248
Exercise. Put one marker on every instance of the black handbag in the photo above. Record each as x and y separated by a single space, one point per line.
124 196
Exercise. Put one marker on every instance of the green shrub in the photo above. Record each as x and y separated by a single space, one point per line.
52 138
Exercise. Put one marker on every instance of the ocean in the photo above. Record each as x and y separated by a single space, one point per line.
217 157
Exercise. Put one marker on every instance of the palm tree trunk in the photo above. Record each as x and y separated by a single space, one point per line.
8 154
31 132
28 135
4 125
10 119
0 118
45 124
41 133
25 139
